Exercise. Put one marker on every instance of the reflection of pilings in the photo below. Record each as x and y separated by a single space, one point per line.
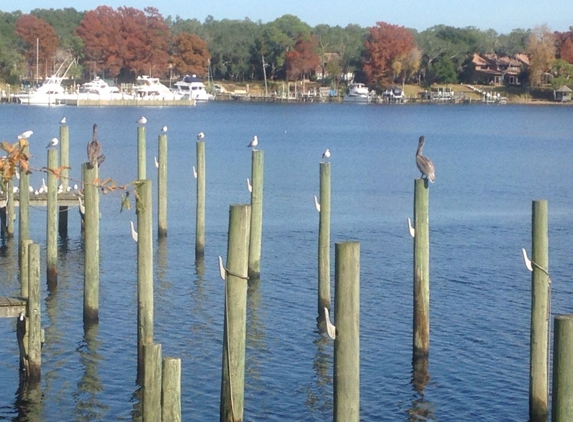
29 402
420 410
319 399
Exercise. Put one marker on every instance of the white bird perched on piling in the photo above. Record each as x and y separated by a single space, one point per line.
52 143
200 136
63 121
164 129
254 142
424 164
326 154
142 120
25 135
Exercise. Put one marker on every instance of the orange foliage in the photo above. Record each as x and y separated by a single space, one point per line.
303 59
386 44
190 54
30 28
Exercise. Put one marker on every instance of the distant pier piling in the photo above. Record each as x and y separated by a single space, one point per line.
421 325
91 245
235 324
64 178
144 270
347 342
200 215
540 297
52 221
324 240
562 392
162 187
141 153
255 243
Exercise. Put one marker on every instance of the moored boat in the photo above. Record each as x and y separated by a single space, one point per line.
193 88
358 93
149 88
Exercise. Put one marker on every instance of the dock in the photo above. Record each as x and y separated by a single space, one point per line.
11 307
41 199
127 103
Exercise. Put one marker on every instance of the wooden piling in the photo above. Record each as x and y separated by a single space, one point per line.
24 283
141 153
540 296
152 382
562 392
52 221
64 179
324 241
255 241
235 327
162 187
200 215
34 313
91 246
10 209
421 324
347 342
171 390
144 269
24 205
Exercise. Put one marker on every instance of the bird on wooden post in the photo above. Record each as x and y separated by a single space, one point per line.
326 154
52 143
254 142
424 164
200 136
94 150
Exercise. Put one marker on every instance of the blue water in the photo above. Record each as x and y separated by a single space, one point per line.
491 162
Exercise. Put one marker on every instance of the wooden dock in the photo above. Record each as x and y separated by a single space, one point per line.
11 307
128 103
41 200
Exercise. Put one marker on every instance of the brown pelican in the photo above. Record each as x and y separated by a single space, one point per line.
424 164
94 150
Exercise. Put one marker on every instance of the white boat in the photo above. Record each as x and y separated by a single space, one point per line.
51 92
191 87
148 88
393 94
98 89
358 93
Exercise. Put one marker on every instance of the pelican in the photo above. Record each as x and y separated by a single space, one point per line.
63 121
94 150
142 120
326 154
52 143
200 136
254 142
25 135
424 164
164 129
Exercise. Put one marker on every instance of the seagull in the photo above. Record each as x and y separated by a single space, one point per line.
52 143
254 142
164 129
94 150
25 135
424 164
63 121
142 120
200 136
326 154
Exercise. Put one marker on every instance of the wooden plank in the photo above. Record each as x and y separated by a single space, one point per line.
10 307
41 200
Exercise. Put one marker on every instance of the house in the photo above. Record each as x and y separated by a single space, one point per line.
491 69
563 94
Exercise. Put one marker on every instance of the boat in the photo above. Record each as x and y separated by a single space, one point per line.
192 88
50 93
149 88
358 93
98 89
393 94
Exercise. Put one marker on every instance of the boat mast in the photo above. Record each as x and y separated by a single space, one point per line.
37 58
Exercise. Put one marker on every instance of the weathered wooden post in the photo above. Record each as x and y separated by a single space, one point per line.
562 393
255 241
421 326
171 390
52 221
235 325
91 245
10 209
324 240
144 270
24 284
64 177
347 342
141 152
540 291
34 313
152 382
24 205
162 187
200 215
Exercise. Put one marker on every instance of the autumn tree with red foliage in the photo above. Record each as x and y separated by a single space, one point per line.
565 45
189 54
30 28
303 59
386 46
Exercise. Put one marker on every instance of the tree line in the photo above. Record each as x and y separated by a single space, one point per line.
126 42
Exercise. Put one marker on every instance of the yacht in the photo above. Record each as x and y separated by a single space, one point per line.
148 88
51 92
98 89
358 93
191 87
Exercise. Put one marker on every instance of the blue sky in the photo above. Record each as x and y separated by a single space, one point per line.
500 15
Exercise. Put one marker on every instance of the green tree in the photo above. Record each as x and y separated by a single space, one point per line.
443 71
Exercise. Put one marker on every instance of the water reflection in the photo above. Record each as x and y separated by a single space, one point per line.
88 405
319 396
29 402
421 409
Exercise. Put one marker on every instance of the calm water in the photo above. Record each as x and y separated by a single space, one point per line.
491 162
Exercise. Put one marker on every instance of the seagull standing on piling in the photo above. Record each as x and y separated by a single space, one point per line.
164 129
254 142
94 150
424 164
200 136
63 121
142 120
52 143
25 135
326 154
